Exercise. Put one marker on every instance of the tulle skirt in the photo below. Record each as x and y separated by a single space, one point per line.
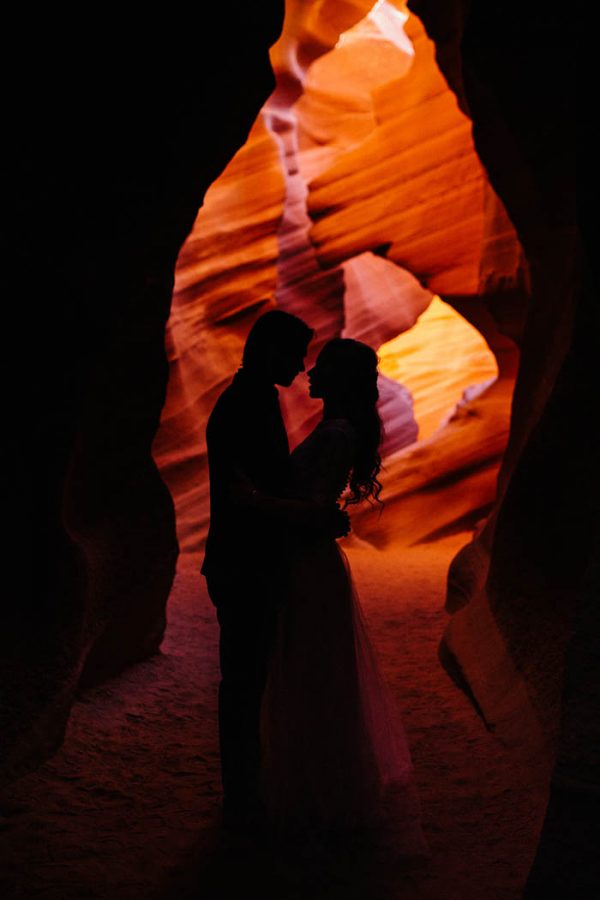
335 754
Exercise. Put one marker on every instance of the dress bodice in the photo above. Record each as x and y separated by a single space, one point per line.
334 752
322 462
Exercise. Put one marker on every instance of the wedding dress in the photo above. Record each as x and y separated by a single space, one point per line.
335 752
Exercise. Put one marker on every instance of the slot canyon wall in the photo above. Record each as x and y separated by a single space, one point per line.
362 195
524 634
115 133
296 221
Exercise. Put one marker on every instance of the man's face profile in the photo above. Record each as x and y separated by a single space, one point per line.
287 363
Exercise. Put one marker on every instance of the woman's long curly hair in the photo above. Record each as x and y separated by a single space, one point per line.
355 367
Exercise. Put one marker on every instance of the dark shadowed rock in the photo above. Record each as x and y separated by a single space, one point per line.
114 133
525 628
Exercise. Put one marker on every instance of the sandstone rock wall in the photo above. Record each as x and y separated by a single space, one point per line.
108 168
519 162
524 638
226 276
365 118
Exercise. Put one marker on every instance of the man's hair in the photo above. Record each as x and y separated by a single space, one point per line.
274 329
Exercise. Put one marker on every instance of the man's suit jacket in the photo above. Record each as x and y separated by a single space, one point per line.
246 433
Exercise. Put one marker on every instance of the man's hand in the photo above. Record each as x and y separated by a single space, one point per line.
241 488
336 522
307 517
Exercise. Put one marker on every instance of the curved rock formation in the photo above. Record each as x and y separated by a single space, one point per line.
526 583
392 171
226 276
336 97
109 165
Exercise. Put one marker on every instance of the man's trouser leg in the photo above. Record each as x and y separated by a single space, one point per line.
247 629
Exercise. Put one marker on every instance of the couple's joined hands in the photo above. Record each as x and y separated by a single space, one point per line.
337 522
326 518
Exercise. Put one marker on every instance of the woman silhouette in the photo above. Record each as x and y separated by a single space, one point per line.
335 752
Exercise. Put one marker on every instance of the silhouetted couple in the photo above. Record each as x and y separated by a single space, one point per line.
308 736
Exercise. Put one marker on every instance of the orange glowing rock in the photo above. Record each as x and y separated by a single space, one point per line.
438 360
225 275
357 196
446 482
413 184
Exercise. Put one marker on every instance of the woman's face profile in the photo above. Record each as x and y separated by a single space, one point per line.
324 377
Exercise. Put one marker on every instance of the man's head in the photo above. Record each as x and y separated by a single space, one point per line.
276 347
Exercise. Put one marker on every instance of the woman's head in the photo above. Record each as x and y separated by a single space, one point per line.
344 370
345 378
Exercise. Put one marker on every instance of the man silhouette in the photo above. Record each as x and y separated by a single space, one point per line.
253 521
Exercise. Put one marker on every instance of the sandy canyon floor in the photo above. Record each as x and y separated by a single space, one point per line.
130 806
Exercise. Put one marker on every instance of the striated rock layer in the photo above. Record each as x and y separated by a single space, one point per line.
379 149
399 176
362 180
395 186
226 276
361 102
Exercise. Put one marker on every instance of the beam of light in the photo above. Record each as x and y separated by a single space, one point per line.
438 360
384 23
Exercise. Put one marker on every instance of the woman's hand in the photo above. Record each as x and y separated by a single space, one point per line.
331 521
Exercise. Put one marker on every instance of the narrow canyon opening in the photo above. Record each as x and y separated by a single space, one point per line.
410 181
358 203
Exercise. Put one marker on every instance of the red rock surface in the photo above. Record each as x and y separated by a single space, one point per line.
526 583
107 172
226 276
378 148
372 105
413 184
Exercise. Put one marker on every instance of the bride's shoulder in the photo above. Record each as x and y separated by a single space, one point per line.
338 427
330 435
